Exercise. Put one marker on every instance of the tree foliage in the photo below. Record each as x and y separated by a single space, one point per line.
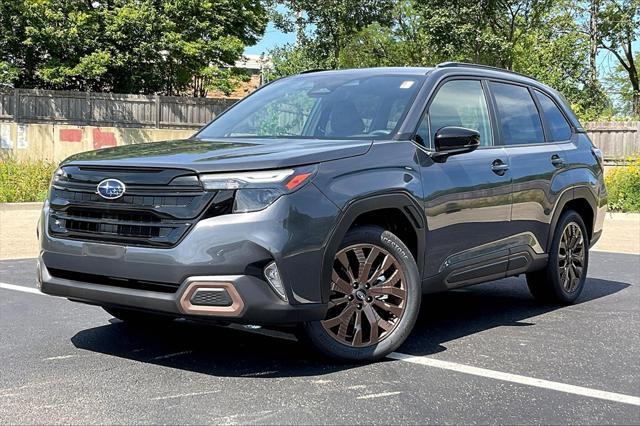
545 39
325 26
147 46
622 93
618 29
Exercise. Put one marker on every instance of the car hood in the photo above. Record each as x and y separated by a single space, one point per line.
224 154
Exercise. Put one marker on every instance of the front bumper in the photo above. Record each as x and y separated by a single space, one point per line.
231 249
258 303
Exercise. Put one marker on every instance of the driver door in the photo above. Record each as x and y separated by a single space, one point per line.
467 197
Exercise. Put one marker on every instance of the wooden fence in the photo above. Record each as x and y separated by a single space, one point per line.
106 109
617 140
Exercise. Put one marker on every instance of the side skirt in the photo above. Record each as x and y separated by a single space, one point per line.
490 267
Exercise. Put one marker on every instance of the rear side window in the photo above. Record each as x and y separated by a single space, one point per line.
517 113
559 129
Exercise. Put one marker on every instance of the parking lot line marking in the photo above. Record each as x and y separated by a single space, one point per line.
171 355
259 373
22 289
183 395
53 358
378 395
515 378
357 387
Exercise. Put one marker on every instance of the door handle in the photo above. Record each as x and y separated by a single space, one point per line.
499 167
557 161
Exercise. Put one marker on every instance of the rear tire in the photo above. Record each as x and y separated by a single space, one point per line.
131 316
562 280
374 300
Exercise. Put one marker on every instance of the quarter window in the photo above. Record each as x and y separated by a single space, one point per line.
519 119
459 103
557 125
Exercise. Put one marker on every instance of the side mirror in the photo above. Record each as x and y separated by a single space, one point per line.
451 140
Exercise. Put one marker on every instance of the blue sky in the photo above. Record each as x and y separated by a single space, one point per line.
272 38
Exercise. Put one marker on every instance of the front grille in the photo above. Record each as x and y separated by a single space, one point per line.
114 281
110 225
125 200
152 212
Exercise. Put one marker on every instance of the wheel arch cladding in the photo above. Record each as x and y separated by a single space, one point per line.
585 210
580 199
395 212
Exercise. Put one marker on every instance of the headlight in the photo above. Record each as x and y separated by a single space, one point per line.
59 175
256 190
244 180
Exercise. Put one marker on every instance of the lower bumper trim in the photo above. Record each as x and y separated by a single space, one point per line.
193 286
253 301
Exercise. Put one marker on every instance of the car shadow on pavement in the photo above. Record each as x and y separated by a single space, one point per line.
236 352
505 303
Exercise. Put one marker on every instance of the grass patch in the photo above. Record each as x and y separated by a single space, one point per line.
623 186
22 181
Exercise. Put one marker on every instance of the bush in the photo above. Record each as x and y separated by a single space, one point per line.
22 181
623 186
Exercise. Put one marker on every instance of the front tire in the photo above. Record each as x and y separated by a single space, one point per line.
562 280
374 300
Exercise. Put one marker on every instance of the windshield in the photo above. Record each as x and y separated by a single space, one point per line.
323 106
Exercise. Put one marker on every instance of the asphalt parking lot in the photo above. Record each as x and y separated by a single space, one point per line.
486 354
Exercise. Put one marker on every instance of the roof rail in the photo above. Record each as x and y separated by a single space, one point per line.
312 70
485 67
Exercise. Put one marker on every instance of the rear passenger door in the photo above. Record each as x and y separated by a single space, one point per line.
534 157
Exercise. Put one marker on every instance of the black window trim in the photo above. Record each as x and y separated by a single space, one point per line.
546 134
488 99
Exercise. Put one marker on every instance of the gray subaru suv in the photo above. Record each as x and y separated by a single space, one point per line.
333 200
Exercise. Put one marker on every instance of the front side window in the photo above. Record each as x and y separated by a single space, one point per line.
517 114
559 129
458 103
322 106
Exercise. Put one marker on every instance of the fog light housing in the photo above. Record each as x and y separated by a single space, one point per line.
38 274
272 275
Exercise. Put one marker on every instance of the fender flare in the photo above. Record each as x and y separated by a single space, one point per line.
571 194
401 201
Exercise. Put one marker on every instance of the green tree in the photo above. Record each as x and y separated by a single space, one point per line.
556 52
294 58
146 46
8 73
403 42
617 83
618 29
325 27
541 38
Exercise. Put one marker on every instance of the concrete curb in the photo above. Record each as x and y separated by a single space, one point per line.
21 206
618 215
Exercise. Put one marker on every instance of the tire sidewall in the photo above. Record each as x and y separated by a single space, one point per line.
553 273
384 239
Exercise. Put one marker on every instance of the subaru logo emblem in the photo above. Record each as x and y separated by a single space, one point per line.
111 189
